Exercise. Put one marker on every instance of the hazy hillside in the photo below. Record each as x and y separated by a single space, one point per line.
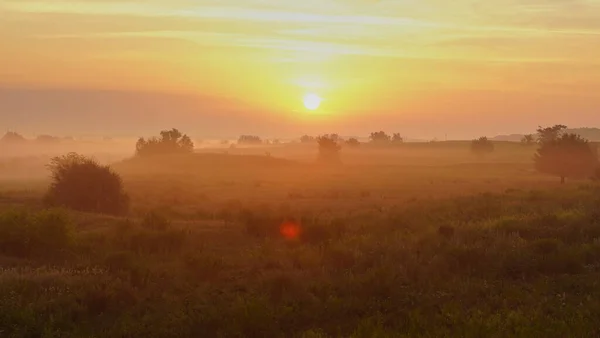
592 134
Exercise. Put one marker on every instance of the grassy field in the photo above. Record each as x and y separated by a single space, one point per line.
422 240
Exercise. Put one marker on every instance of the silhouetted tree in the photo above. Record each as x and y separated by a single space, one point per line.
329 150
550 133
528 140
307 139
380 137
82 184
250 140
170 142
568 155
12 137
482 146
397 138
353 142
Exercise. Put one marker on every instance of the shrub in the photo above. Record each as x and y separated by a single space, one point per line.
170 142
353 142
250 140
329 150
397 138
380 137
528 140
82 184
568 155
482 146
307 139
25 234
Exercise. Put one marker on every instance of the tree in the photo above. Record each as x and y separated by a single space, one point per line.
569 155
329 150
482 146
353 142
397 138
170 142
549 134
380 137
82 184
528 140
307 139
250 140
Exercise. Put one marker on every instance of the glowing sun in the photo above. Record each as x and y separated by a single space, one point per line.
312 101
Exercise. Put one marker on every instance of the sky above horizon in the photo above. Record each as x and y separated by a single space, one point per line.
425 68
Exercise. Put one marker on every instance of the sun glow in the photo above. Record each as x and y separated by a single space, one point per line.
312 101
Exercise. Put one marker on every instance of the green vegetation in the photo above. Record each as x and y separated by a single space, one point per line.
420 240
82 184
522 263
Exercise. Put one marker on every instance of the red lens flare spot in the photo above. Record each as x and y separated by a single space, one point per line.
290 230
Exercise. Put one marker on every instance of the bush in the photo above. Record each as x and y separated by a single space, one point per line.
170 142
569 155
380 137
82 184
482 146
329 150
250 140
41 233
353 142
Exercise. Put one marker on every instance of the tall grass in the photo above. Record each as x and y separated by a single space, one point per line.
519 263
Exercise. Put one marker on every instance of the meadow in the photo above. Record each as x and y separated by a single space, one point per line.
418 240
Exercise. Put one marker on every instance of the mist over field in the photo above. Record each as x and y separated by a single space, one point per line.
301 169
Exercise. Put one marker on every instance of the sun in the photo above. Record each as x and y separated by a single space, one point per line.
312 101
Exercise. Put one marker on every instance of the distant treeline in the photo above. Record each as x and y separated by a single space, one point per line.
590 134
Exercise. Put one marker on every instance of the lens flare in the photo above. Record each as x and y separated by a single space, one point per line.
290 230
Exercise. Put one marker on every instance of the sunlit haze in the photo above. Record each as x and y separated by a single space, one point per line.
427 68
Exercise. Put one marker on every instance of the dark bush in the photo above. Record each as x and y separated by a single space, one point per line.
170 142
250 140
329 150
482 146
82 184
380 137
568 155
24 234
353 142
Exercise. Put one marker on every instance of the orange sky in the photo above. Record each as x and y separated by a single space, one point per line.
420 66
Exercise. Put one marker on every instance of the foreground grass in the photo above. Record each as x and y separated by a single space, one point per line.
520 263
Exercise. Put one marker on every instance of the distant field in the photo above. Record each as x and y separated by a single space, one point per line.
420 240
